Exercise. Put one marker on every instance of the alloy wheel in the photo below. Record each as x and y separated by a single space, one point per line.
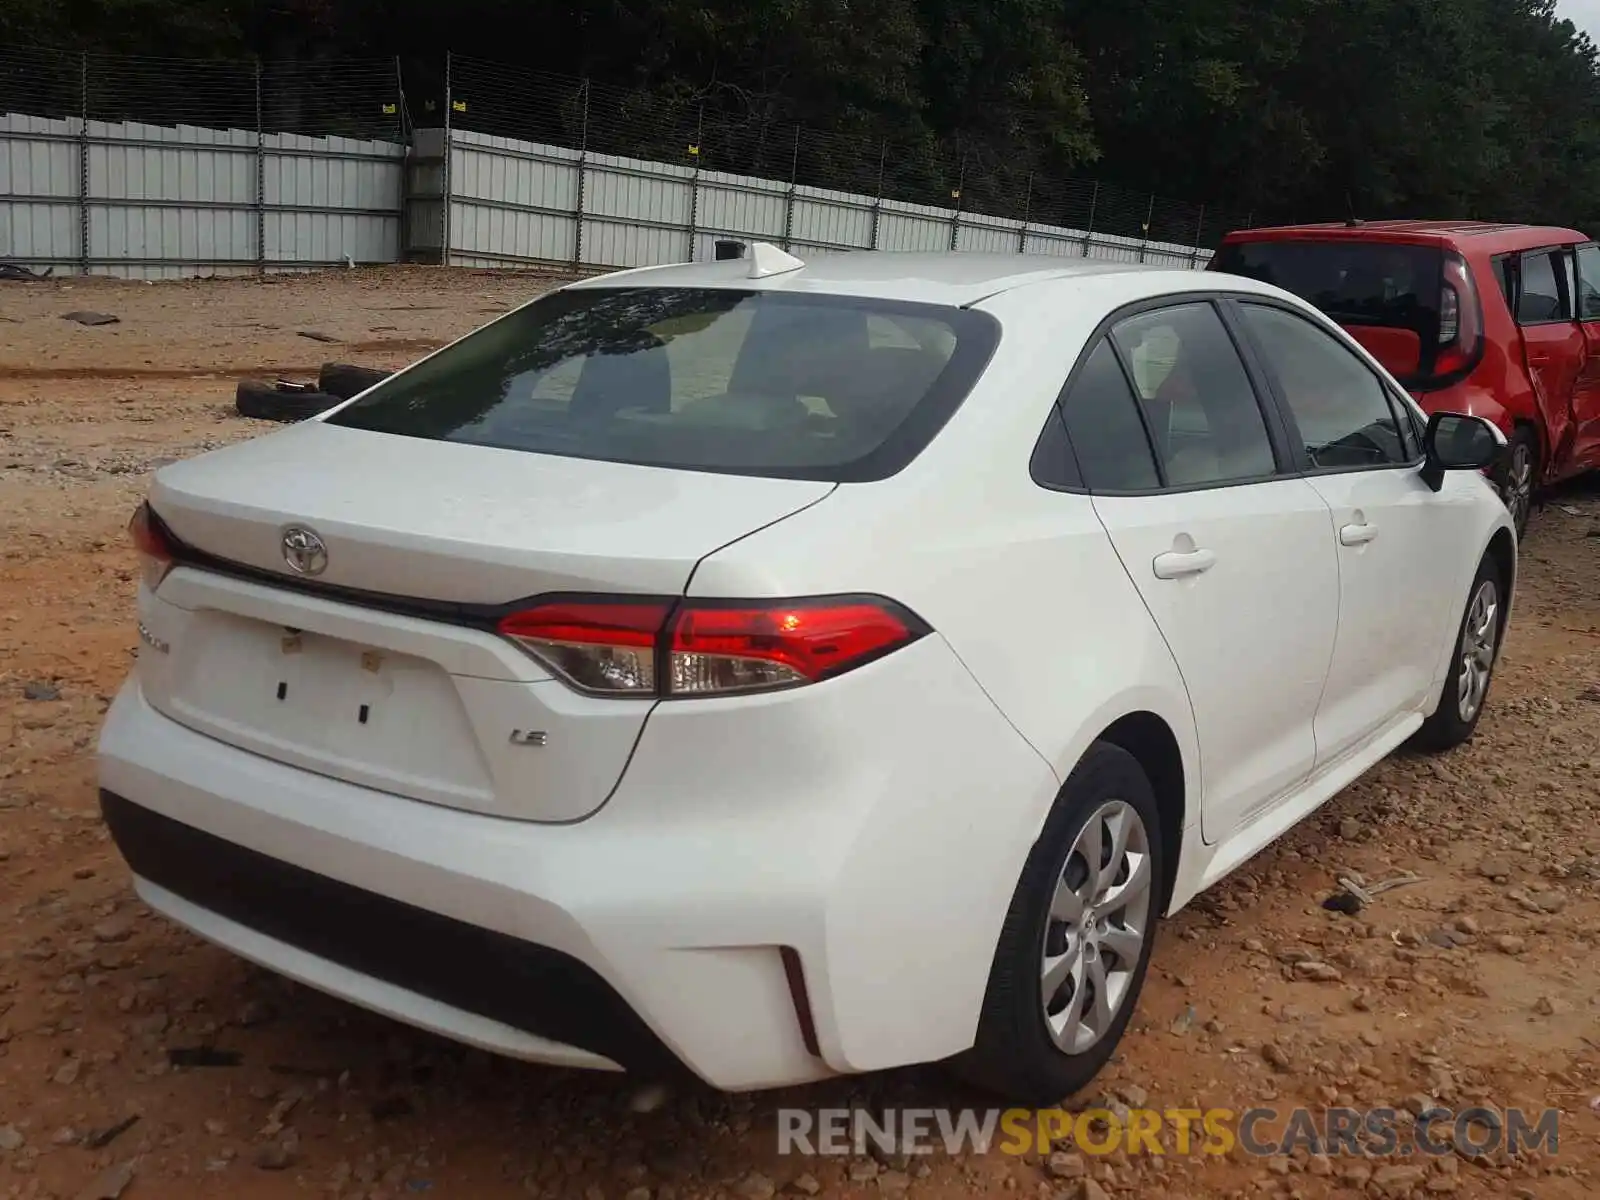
1098 923
1518 490
1478 637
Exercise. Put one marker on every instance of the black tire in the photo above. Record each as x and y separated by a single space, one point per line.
273 402
1448 727
1519 477
347 381
1015 1054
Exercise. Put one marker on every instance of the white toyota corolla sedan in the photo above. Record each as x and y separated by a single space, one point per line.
780 669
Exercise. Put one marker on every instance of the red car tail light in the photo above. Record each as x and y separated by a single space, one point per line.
603 646
1460 319
150 540
658 648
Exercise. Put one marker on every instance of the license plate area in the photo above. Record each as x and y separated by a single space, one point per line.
370 716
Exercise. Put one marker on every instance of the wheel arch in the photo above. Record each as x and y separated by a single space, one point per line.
1502 551
1152 742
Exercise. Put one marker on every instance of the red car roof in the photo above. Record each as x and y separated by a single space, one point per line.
1486 235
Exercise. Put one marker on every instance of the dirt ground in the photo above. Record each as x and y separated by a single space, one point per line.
1476 985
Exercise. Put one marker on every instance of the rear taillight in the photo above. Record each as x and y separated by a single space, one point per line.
598 646
748 647
1460 318
155 551
657 648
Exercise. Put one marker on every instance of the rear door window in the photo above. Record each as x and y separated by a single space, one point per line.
1589 283
716 379
1196 396
1543 293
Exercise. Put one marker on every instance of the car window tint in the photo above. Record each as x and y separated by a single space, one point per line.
1052 464
1589 282
1196 395
1102 417
1539 296
749 382
1502 276
1341 408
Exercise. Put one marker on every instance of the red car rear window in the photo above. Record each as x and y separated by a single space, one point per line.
1385 294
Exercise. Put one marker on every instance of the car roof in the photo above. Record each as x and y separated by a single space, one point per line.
1492 236
956 279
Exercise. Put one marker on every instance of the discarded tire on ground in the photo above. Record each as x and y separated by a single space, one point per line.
345 380
280 401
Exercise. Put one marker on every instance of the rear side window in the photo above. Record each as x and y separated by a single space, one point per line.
1112 448
1542 288
743 382
1388 295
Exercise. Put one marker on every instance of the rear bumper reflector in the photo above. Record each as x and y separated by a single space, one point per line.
796 975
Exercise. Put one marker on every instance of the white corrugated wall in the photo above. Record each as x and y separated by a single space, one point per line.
163 201
160 202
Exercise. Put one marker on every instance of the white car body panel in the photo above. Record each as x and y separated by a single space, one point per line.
871 827
1253 676
1415 536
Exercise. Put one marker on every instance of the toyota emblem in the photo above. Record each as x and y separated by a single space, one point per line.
304 551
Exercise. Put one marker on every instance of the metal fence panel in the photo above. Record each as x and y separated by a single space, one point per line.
511 202
39 174
913 227
156 168
987 235
826 219
163 202
736 207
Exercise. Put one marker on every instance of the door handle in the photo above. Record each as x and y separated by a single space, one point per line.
1175 565
1357 535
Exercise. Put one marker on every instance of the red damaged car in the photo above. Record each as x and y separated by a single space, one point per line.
1501 321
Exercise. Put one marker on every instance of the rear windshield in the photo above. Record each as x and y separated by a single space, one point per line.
714 379
1361 285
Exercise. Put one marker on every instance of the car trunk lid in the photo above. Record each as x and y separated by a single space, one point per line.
385 668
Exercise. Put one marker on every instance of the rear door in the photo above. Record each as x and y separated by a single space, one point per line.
1553 342
1233 559
1586 395
1399 550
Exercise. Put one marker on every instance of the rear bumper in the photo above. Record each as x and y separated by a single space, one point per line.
515 984
881 847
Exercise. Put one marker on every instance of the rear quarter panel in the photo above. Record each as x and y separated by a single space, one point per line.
1023 585
1021 581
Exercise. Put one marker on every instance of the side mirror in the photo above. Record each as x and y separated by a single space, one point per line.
1458 442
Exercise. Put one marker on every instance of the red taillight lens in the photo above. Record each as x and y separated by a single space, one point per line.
728 649
1460 318
612 646
155 552
600 646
